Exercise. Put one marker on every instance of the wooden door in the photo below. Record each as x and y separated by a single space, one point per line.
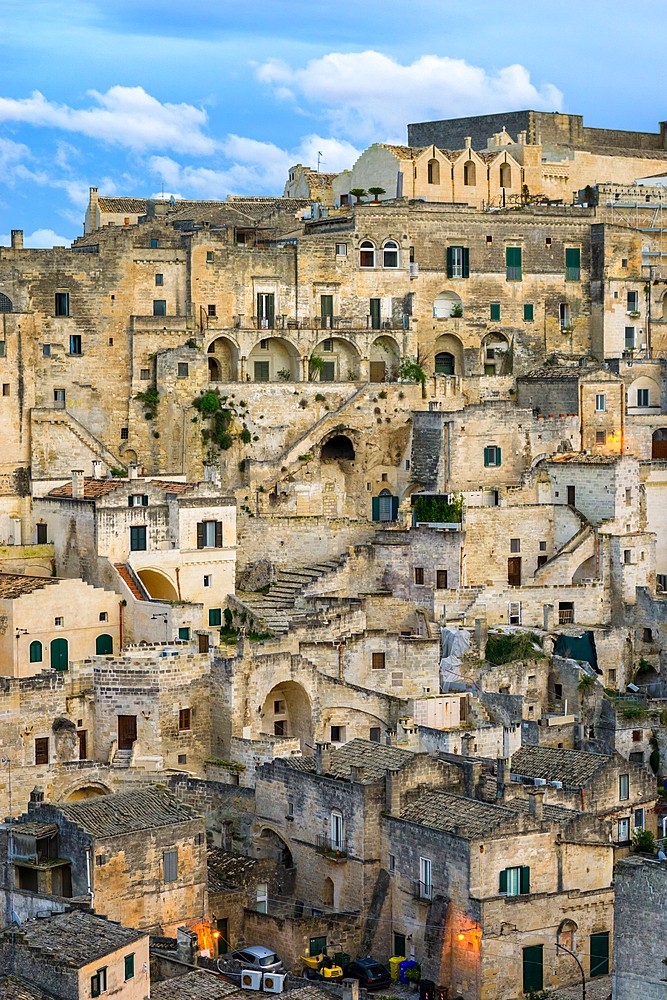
533 969
514 571
127 731
599 954
82 744
659 444
570 496
203 642
378 371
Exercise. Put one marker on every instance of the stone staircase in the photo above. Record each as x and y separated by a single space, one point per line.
284 601
121 758
131 582
42 415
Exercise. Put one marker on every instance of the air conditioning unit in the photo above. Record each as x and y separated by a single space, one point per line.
251 979
273 982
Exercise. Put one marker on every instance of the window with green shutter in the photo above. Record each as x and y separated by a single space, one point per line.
129 967
513 263
458 262
514 881
494 310
491 455
572 264
214 616
528 313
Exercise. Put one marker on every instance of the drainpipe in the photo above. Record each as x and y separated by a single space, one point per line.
120 623
89 878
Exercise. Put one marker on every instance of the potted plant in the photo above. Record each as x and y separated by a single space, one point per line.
358 193
376 192
413 976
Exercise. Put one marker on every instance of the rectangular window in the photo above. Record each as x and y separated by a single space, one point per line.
611 676
211 309
98 983
513 263
627 556
183 369
637 757
458 262
624 787
514 612
328 371
159 279
494 311
375 308
564 316
137 500
62 303
261 371
138 538
265 310
183 719
153 244
565 612
170 865
209 535
515 881
279 728
378 661
124 433
75 343
159 307
59 621
341 249
629 338
600 437
419 576
46 350
214 616
209 256
392 863
599 958
42 535
528 312
374 734
184 632
639 819
207 579
262 897
632 302
335 734
6 388
491 456
42 750
623 831
144 374
642 397
600 402
573 264
515 545
129 967
104 616
628 495
441 579
425 878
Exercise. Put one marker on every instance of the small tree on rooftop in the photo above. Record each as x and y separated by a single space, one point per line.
358 193
376 192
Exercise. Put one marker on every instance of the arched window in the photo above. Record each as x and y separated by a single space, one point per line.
366 254
328 892
59 654
35 652
5 303
469 174
505 176
336 830
444 363
104 645
390 254
433 172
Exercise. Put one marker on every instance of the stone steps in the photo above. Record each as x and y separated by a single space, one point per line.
276 609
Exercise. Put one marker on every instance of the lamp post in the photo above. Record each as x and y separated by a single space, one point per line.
164 615
19 633
581 968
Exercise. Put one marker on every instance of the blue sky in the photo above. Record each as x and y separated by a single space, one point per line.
213 97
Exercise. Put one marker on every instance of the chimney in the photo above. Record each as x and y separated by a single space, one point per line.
502 776
392 793
36 798
467 744
322 758
357 773
132 471
468 141
536 802
78 484
472 772
350 989
17 239
97 469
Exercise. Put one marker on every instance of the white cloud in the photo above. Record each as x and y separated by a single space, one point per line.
41 239
368 93
127 116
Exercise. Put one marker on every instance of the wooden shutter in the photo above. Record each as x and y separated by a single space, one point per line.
144 500
502 886
271 309
375 515
259 310
42 751
218 534
200 534
394 508
573 257
513 256
466 262
497 455
486 456
450 262
524 887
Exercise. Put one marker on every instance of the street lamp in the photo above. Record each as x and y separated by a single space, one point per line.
581 968
164 615
19 633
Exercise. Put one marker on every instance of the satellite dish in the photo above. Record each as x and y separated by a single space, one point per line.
172 200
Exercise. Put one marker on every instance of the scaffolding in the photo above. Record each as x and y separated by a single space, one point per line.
642 207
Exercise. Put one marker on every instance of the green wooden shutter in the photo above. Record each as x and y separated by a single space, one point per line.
394 508
573 257
450 262
59 654
599 954
259 309
497 455
35 652
533 969
144 500
466 262
513 256
104 645
271 310
524 886
494 312
486 462
502 886
200 535
218 534
375 509
528 313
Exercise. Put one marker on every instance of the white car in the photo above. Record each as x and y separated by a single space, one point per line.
259 958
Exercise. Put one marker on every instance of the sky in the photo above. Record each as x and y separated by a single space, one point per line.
212 97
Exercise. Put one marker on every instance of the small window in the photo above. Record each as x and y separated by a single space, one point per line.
75 343
558 691
600 402
378 661
515 545
209 535
183 369
489 239
138 538
129 967
124 433
214 616
153 244
514 613
144 374
515 881
441 579
637 735
494 311
632 301
624 261
184 632
564 316
390 254
623 831
209 256
46 350
290 809
637 757
159 307
547 241
211 309
543 546
627 556
513 269
42 750
59 621
62 304
624 787
366 254
207 579
6 389
639 819
98 983
104 616
611 676
629 338
35 652
419 576
628 495
600 437
392 863
341 249
642 397
528 312
100 859
397 679
279 728
170 865
458 262
374 734
182 758
184 719
492 456
159 279
425 878
335 734
647 635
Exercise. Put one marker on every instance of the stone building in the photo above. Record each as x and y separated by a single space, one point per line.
639 916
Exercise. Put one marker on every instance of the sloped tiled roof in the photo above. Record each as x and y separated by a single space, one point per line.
15 988
14 585
92 488
573 767
197 985
122 204
553 373
128 812
226 870
77 938
456 814
373 757
403 152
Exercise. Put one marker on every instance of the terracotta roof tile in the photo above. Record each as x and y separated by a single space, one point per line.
77 938
373 757
92 488
198 985
14 585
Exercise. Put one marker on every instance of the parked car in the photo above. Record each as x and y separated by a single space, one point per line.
371 974
259 958
321 967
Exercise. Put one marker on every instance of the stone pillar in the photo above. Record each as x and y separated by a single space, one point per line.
502 776
350 989
549 616
77 484
17 239
322 757
481 633
536 801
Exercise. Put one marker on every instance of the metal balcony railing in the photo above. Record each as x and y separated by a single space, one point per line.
422 890
332 848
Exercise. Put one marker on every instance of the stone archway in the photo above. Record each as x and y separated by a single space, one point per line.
447 304
448 355
274 359
496 354
385 358
338 448
223 356
92 789
158 584
287 712
269 844
340 360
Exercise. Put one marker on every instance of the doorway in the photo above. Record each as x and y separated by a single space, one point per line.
127 731
514 571
570 496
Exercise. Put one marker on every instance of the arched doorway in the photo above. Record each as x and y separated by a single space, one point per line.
496 355
103 645
328 892
505 176
384 359
270 845
336 449
273 359
287 712
59 654
223 356
385 506
469 174
158 585
6 305
448 355
659 443
213 370
444 363
340 360
447 304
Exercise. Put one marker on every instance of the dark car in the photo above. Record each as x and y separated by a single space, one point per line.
371 975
